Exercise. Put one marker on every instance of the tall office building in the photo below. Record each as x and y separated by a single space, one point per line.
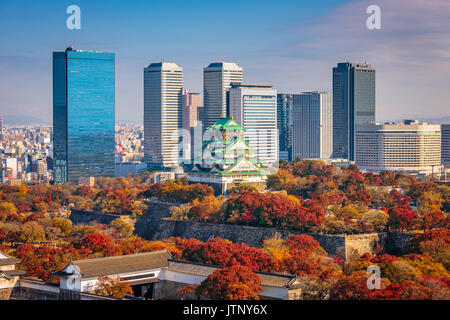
353 105
411 146
217 79
445 150
163 104
312 131
254 106
191 102
284 123
83 114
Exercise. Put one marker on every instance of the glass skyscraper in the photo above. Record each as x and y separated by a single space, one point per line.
83 114
284 123
312 131
353 105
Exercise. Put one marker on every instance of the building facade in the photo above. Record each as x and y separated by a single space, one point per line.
217 79
284 123
191 102
83 114
312 131
254 106
411 146
353 104
445 146
163 102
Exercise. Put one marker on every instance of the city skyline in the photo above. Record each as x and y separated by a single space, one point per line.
295 56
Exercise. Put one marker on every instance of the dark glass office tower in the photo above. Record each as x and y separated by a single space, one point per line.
83 114
353 104
284 123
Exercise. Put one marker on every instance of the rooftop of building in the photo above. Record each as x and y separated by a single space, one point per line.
204 270
356 65
226 123
93 268
6 260
225 65
164 65
250 85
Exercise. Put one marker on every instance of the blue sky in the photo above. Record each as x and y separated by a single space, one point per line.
291 44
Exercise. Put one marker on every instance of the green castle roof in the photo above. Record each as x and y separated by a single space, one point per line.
226 124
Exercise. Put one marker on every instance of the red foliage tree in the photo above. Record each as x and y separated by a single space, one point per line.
402 218
232 283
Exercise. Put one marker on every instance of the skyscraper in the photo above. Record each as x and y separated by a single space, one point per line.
353 104
284 123
191 102
83 114
163 103
254 106
217 79
312 131
445 153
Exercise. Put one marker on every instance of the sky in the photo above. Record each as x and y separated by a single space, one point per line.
290 44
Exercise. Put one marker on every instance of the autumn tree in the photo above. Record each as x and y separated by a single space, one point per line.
113 287
402 218
205 209
124 227
31 232
65 225
232 283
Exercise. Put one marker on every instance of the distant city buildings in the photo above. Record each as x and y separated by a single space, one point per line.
191 104
217 79
411 146
254 106
353 104
284 124
312 129
83 114
445 152
163 101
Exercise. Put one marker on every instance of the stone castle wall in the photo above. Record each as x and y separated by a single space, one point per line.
156 224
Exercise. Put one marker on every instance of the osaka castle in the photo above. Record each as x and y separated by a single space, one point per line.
227 160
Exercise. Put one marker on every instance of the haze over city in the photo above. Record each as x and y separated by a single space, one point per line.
290 44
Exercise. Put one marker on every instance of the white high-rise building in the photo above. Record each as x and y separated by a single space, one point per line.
312 125
254 106
163 103
445 154
217 79
410 146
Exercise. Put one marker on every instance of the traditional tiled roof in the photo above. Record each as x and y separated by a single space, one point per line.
226 124
6 260
93 268
204 270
